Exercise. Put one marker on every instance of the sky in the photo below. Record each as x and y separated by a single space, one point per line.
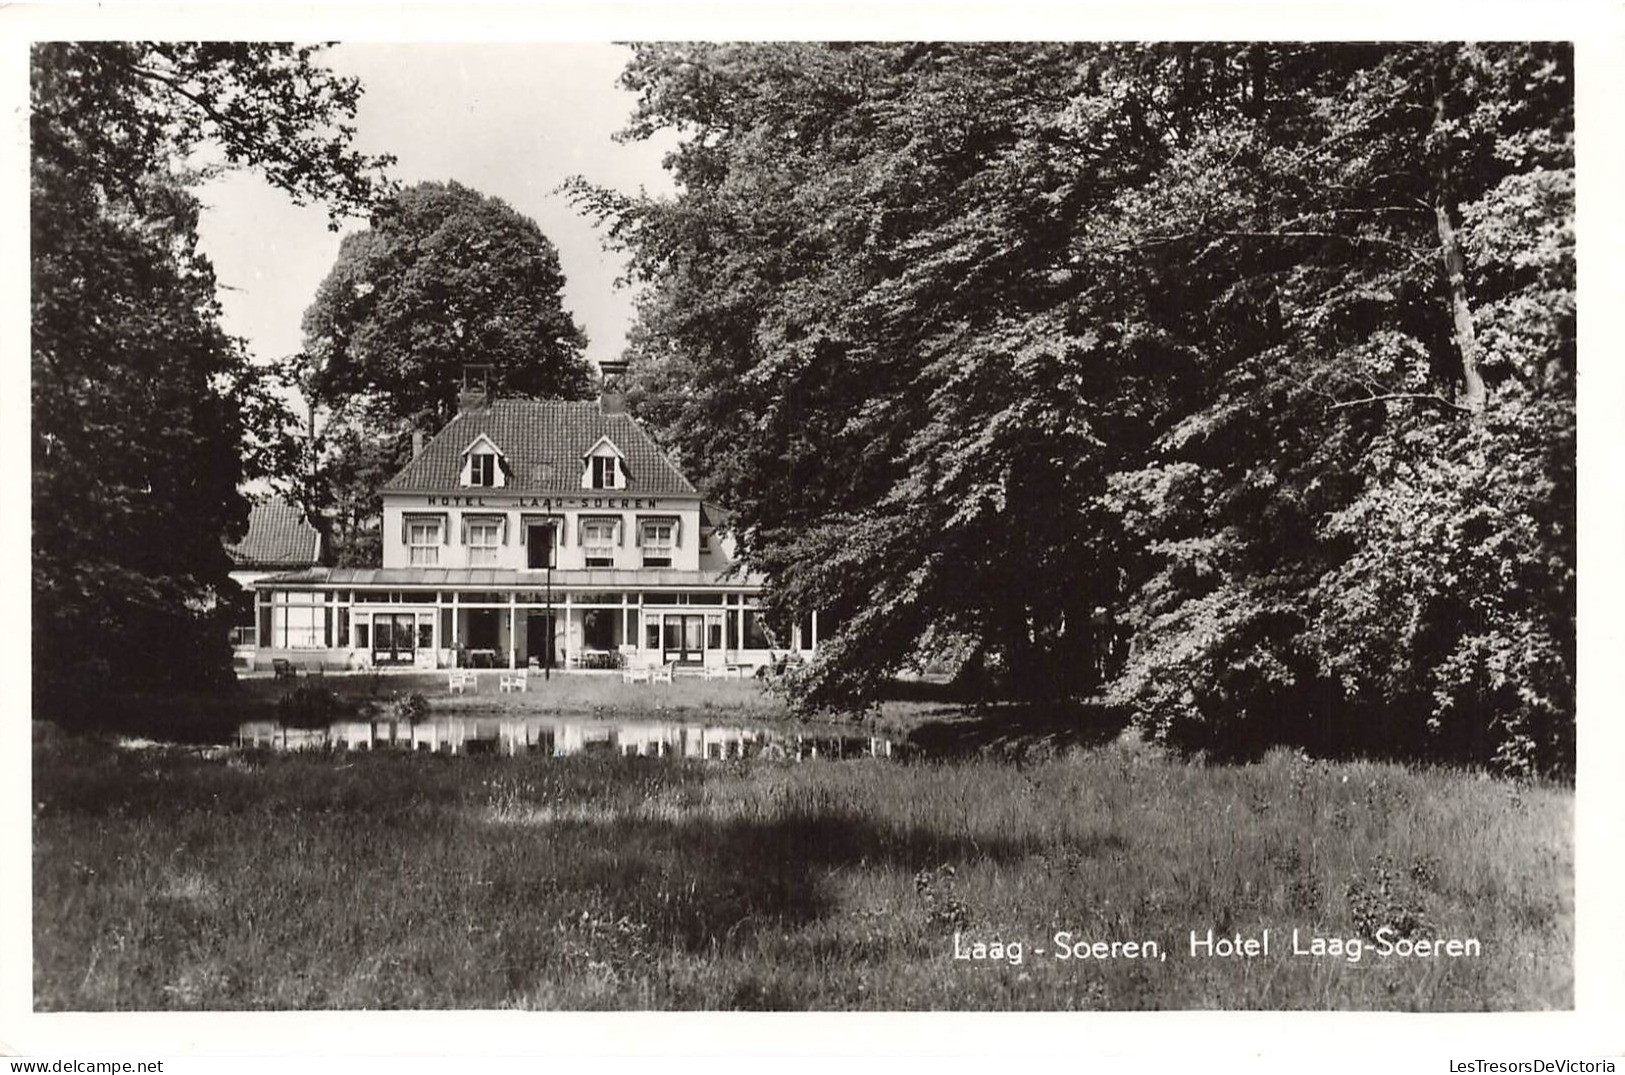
513 121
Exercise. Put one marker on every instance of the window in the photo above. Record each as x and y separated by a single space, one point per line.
757 635
299 621
598 542
483 464
539 546
658 539
598 629
603 472
484 536
604 468
423 542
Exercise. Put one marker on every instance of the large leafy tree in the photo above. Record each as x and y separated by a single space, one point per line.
1265 350
445 278
1359 528
139 399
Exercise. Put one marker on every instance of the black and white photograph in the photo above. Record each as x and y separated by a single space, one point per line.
827 523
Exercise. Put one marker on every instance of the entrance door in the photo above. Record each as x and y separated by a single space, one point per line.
394 637
539 638
684 639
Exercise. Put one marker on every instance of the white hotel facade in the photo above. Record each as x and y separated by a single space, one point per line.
527 532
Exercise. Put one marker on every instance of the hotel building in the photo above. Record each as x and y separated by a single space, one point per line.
541 533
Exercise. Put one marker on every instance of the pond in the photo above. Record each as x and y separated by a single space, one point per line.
562 736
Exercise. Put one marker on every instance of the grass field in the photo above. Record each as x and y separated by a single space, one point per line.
212 879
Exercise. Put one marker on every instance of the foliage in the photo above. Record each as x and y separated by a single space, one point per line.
444 277
1262 354
310 705
412 707
139 399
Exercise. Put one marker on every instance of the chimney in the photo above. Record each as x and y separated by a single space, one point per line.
612 385
475 392
417 443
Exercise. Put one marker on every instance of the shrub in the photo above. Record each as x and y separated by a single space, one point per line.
412 708
310 706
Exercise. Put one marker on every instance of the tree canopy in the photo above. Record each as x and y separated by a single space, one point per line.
139 397
445 277
1258 357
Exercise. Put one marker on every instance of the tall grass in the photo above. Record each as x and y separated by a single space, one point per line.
187 879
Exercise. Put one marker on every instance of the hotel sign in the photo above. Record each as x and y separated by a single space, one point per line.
546 503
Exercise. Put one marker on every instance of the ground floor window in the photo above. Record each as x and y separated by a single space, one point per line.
299 621
482 629
757 633
598 628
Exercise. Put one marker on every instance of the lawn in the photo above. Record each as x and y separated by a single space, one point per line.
210 878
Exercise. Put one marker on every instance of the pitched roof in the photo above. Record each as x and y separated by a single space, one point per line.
278 536
543 442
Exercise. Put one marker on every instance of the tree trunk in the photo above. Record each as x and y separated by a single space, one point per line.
1473 393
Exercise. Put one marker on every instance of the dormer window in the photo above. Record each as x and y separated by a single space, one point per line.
604 468
483 465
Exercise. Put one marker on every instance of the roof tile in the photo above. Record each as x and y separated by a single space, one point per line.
543 442
278 536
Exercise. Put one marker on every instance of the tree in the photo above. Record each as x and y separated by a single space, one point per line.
1361 529
138 396
444 277
1195 337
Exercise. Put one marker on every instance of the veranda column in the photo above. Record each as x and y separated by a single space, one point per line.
513 637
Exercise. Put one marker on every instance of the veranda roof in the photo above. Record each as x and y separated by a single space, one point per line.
493 578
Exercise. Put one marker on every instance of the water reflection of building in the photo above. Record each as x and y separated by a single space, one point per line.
553 737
